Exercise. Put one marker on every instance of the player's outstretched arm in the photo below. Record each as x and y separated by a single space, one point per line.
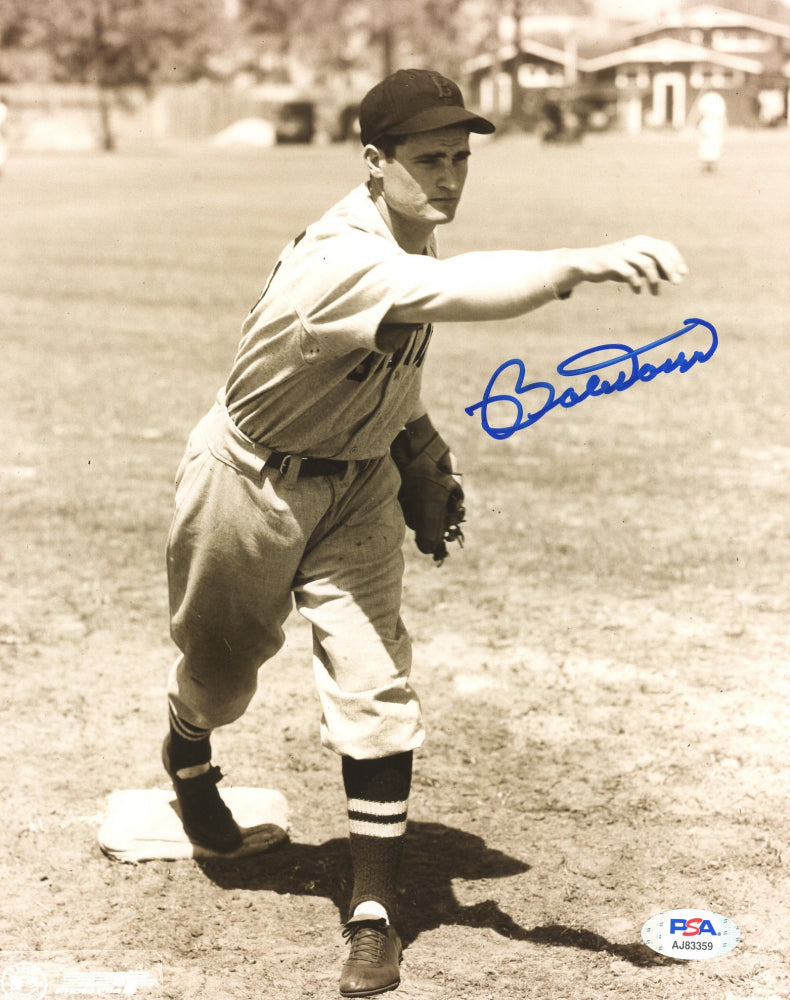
641 261
501 284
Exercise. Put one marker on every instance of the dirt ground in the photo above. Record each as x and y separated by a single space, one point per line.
603 669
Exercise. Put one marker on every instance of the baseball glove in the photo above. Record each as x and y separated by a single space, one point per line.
430 495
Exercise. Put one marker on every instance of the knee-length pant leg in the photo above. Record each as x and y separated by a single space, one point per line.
234 547
349 588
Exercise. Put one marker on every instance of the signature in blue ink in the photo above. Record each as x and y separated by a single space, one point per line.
596 359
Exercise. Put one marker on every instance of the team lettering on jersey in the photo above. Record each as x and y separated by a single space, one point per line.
411 353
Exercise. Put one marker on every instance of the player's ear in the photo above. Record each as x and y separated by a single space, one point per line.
373 157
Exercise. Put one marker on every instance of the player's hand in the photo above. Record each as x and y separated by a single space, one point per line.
641 261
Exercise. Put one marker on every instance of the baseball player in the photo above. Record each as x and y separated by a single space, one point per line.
296 486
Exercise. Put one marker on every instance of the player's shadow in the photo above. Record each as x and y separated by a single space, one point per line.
435 855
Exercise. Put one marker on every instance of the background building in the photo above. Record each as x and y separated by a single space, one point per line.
649 74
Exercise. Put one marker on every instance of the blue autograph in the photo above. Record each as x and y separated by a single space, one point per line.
595 386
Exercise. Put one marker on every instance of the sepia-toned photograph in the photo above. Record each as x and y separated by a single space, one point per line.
394 480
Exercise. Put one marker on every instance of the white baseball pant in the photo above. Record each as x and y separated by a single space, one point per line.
246 543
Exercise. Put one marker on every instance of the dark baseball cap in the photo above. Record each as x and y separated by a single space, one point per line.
415 100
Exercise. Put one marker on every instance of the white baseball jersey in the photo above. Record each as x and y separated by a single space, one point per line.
318 373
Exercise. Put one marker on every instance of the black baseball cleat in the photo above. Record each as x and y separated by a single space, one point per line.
373 964
207 820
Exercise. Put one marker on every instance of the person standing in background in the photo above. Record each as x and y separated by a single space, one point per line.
711 117
3 136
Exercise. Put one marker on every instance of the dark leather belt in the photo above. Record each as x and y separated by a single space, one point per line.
307 466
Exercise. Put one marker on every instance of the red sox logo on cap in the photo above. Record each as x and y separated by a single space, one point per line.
443 86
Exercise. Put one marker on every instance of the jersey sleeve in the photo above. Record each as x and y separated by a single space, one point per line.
347 288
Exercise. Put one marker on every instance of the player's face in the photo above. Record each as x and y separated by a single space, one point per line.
424 180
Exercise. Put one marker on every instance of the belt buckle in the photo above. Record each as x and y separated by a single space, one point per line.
290 468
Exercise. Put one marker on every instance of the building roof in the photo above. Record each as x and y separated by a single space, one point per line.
707 16
661 50
528 46
670 50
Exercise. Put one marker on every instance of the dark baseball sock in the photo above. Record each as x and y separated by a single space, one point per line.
189 745
378 797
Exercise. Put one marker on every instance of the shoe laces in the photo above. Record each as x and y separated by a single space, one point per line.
367 938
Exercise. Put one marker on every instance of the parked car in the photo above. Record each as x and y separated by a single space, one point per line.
295 121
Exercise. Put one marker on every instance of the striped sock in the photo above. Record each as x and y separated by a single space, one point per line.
378 799
189 745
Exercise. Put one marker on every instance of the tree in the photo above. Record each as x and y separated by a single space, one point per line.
115 44
12 22
332 35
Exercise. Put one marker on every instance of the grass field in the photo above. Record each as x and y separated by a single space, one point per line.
603 669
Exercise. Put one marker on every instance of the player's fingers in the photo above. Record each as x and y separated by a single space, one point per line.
633 277
647 271
619 268
671 265
638 269
669 262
